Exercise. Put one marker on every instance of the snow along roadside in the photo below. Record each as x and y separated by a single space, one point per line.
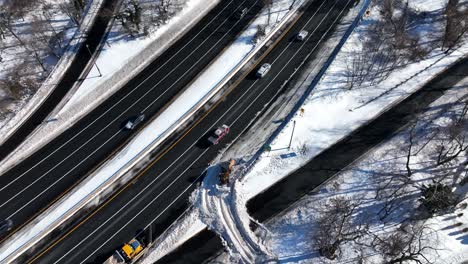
223 210
66 115
181 110
270 169
191 224
48 86
372 168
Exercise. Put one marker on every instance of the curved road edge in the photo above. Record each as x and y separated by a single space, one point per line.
26 120
117 178
273 201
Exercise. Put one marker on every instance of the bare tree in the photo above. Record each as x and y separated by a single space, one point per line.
38 30
164 8
58 37
130 17
268 4
18 84
73 10
456 24
6 20
456 142
336 227
408 243
437 197
391 193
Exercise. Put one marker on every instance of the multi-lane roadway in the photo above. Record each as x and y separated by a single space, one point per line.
73 72
42 178
160 192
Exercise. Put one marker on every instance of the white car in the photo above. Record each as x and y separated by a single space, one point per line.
263 70
132 123
302 35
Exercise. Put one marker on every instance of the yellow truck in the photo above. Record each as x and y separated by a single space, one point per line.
127 253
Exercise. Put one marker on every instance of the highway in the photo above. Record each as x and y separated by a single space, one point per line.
71 75
160 193
35 183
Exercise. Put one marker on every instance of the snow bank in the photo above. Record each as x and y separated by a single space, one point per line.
211 80
122 62
54 77
292 230
223 210
175 236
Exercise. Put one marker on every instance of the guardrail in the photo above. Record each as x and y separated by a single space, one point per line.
90 199
315 81
48 86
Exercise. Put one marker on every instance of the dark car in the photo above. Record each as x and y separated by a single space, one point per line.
5 226
241 13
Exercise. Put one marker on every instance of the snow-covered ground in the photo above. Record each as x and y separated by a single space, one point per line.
217 208
293 231
17 62
211 80
335 111
32 63
121 58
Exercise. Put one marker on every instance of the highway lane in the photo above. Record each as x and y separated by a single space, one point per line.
43 177
160 193
71 75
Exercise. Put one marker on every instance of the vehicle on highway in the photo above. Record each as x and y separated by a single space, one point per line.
241 13
135 121
5 226
302 35
127 253
218 134
263 70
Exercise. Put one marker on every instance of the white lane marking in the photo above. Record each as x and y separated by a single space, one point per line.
118 102
225 34
54 183
134 103
305 25
51 169
290 43
63 176
167 207
175 180
160 174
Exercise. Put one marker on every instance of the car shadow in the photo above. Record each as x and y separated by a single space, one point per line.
203 142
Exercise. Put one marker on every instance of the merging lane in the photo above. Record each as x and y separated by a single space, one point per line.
160 193
42 178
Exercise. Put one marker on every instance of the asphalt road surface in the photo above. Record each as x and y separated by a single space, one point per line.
71 75
35 183
160 193
303 181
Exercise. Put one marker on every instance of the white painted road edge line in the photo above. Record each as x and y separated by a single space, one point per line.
195 141
99 132
69 54
141 155
43 135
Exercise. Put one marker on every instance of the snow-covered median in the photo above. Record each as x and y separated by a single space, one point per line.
75 37
118 63
223 210
334 110
194 97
